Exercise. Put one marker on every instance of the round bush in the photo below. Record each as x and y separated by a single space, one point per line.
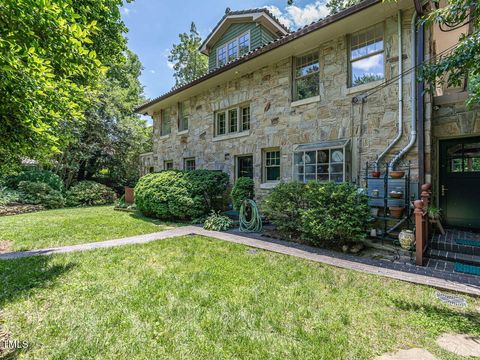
89 193
38 193
34 175
178 194
244 188
334 213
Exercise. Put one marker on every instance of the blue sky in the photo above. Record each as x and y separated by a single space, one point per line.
154 26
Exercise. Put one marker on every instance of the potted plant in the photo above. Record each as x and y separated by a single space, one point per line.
435 214
396 211
406 239
376 174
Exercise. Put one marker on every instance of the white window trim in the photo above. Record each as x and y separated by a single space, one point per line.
225 46
239 130
294 80
264 165
349 59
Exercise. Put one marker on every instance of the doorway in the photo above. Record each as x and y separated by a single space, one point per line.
460 182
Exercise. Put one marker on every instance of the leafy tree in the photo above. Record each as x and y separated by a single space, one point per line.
52 55
188 62
338 5
107 144
464 60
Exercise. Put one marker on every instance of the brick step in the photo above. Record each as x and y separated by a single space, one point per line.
452 256
454 247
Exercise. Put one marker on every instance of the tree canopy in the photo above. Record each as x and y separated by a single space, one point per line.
53 54
188 62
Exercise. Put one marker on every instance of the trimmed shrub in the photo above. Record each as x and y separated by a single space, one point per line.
38 193
217 222
283 207
8 196
334 213
179 194
89 193
320 213
35 175
243 189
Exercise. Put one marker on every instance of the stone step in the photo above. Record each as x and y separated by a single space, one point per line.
454 247
452 256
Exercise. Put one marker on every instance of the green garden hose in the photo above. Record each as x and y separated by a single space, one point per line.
255 222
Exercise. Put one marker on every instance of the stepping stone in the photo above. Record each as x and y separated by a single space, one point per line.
415 353
460 344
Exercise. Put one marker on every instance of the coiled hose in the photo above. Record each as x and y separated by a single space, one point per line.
255 222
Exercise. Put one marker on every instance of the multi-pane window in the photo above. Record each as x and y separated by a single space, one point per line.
244 44
232 120
306 76
189 163
168 165
464 157
245 166
220 125
183 116
320 165
367 62
271 165
233 49
165 126
221 56
245 111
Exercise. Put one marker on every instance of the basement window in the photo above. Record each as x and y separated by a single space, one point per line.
168 165
306 76
189 164
367 61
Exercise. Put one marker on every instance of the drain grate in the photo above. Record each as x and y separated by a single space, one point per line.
451 299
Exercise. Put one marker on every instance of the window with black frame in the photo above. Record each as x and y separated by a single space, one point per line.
245 166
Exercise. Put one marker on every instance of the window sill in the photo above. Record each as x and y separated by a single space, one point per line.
448 99
269 185
305 101
183 132
163 137
231 136
364 87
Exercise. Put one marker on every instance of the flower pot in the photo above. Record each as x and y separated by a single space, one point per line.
406 239
375 192
397 174
376 174
374 211
396 211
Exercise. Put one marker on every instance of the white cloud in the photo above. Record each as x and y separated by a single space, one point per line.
294 16
125 11
370 63
170 65
152 71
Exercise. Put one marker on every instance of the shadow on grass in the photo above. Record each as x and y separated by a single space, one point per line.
466 322
139 216
18 278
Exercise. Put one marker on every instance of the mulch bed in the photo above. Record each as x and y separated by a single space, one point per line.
16 209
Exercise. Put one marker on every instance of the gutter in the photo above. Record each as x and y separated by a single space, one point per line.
266 48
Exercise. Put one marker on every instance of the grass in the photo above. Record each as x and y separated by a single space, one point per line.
73 226
196 297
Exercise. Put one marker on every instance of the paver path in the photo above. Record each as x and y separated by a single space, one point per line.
410 354
282 247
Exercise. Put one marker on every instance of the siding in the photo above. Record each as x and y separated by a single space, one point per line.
258 36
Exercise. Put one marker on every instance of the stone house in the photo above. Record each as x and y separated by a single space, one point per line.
320 102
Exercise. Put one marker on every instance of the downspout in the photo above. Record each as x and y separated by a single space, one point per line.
400 93
413 125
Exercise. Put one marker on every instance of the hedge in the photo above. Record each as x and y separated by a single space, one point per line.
180 194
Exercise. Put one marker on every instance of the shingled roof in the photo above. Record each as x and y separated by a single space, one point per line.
291 36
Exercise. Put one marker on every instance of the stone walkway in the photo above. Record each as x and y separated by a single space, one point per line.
412 274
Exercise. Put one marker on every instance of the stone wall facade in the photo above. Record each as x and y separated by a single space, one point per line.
276 122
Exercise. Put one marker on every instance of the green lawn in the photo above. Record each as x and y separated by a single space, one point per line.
195 297
73 226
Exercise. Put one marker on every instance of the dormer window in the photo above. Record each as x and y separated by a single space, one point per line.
233 49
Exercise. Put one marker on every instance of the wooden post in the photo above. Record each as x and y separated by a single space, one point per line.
425 196
419 231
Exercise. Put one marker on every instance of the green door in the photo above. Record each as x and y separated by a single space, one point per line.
460 182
